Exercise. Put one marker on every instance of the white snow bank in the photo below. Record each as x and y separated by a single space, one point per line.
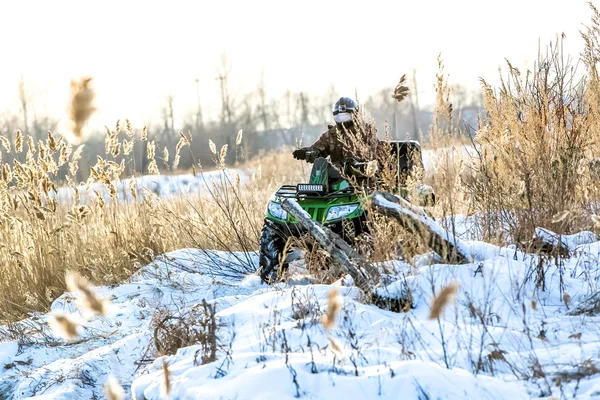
114 344
569 242
273 379
507 335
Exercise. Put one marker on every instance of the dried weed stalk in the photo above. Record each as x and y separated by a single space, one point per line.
166 384
81 105
113 389
64 326
87 298
334 306
443 298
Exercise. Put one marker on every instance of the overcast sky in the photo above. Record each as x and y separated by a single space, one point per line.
139 52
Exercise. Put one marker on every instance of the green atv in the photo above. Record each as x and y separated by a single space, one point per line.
330 200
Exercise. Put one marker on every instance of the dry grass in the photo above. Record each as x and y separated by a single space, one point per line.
536 148
196 326
106 240
534 159
87 298
334 307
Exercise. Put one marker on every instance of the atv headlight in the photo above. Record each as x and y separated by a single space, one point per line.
340 211
276 210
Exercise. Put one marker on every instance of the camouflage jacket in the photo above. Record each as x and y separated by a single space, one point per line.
340 145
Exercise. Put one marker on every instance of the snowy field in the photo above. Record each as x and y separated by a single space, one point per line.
504 337
164 186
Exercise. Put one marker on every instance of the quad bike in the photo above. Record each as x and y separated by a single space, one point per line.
330 200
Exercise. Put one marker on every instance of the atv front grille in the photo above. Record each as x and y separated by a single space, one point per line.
316 213
320 214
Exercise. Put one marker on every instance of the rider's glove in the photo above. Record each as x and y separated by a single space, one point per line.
299 154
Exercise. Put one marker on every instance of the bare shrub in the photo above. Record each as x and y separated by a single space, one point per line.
317 260
305 309
196 326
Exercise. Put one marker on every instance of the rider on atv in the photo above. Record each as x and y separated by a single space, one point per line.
333 196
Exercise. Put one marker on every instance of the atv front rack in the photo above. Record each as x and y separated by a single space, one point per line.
291 192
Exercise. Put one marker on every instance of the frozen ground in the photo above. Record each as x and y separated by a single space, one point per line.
503 338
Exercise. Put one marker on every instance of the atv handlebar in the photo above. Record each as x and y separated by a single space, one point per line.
305 154
311 155
352 166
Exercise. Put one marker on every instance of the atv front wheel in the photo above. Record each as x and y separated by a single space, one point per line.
271 248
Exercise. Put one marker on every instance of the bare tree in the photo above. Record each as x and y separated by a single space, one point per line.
275 116
199 119
262 95
224 70
171 113
290 116
23 98
414 104
247 117
302 102
322 108
168 113
459 95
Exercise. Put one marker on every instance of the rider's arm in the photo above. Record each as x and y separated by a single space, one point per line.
320 148
322 144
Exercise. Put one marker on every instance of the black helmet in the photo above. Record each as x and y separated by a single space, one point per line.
343 110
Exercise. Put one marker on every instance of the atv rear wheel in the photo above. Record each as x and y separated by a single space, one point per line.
271 248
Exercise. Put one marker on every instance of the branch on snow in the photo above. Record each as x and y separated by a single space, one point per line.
416 221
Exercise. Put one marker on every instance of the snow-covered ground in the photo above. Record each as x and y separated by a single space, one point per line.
503 337
164 186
